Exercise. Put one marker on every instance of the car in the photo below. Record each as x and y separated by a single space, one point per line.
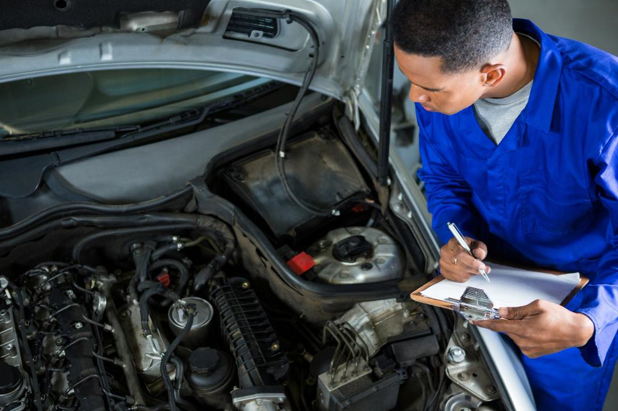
200 210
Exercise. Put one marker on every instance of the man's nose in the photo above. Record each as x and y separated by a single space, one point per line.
418 95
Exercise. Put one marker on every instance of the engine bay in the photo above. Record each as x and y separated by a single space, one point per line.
228 295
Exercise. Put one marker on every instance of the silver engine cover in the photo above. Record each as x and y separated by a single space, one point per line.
384 263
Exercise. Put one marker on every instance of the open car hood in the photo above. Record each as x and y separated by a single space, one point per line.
44 37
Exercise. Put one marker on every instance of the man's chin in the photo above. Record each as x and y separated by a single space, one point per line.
441 111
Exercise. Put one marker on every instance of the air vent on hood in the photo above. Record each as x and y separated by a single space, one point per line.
254 27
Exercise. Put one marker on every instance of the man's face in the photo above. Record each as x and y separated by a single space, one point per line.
436 91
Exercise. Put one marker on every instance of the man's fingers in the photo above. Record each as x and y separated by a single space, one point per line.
454 275
479 249
468 263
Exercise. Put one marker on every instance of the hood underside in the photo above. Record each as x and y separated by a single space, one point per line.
66 36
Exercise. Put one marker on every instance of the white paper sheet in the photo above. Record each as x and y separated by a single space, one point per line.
510 287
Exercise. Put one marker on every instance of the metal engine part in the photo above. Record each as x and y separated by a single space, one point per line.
9 346
196 336
252 340
356 255
456 399
376 321
466 369
13 378
352 384
147 350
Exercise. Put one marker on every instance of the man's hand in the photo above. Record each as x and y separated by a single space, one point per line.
542 328
457 265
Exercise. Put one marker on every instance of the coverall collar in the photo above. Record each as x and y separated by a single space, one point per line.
540 108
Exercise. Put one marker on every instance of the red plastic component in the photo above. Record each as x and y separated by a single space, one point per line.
301 263
164 278
359 208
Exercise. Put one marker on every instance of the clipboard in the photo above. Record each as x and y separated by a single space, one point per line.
416 295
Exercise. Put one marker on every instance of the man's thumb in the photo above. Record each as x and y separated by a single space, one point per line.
479 249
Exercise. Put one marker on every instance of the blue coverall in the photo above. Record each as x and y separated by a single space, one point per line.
547 195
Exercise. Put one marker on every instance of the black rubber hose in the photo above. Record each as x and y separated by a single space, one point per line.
73 208
180 372
141 220
141 257
214 266
77 249
168 354
161 251
143 303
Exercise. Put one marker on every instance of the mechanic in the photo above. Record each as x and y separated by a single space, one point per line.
519 141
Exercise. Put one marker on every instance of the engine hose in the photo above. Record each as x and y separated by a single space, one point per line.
77 249
161 251
73 208
144 220
143 303
141 259
170 351
180 372
213 267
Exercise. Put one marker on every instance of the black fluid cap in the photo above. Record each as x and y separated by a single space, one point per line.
351 248
10 378
204 360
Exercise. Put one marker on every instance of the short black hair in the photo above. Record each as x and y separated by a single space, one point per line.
464 33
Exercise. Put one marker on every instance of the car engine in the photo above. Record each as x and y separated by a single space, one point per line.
177 322
228 295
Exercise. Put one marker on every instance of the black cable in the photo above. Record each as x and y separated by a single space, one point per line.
284 133
105 383
170 226
285 130
170 351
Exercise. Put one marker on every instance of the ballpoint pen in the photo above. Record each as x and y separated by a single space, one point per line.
462 242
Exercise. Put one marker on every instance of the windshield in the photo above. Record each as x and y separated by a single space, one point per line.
111 98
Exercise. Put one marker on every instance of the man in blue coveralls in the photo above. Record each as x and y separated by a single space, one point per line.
519 145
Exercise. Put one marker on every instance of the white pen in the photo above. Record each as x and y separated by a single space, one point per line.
462 242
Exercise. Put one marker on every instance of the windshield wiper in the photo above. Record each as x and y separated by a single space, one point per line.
13 144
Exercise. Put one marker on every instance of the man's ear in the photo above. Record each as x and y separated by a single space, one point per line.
493 74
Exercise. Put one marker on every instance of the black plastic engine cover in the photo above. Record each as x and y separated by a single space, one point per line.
320 171
249 335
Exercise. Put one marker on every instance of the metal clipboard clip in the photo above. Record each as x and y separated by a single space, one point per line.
475 305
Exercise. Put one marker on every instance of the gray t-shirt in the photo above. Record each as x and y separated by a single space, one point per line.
497 115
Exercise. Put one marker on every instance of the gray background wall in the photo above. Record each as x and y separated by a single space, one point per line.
591 21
